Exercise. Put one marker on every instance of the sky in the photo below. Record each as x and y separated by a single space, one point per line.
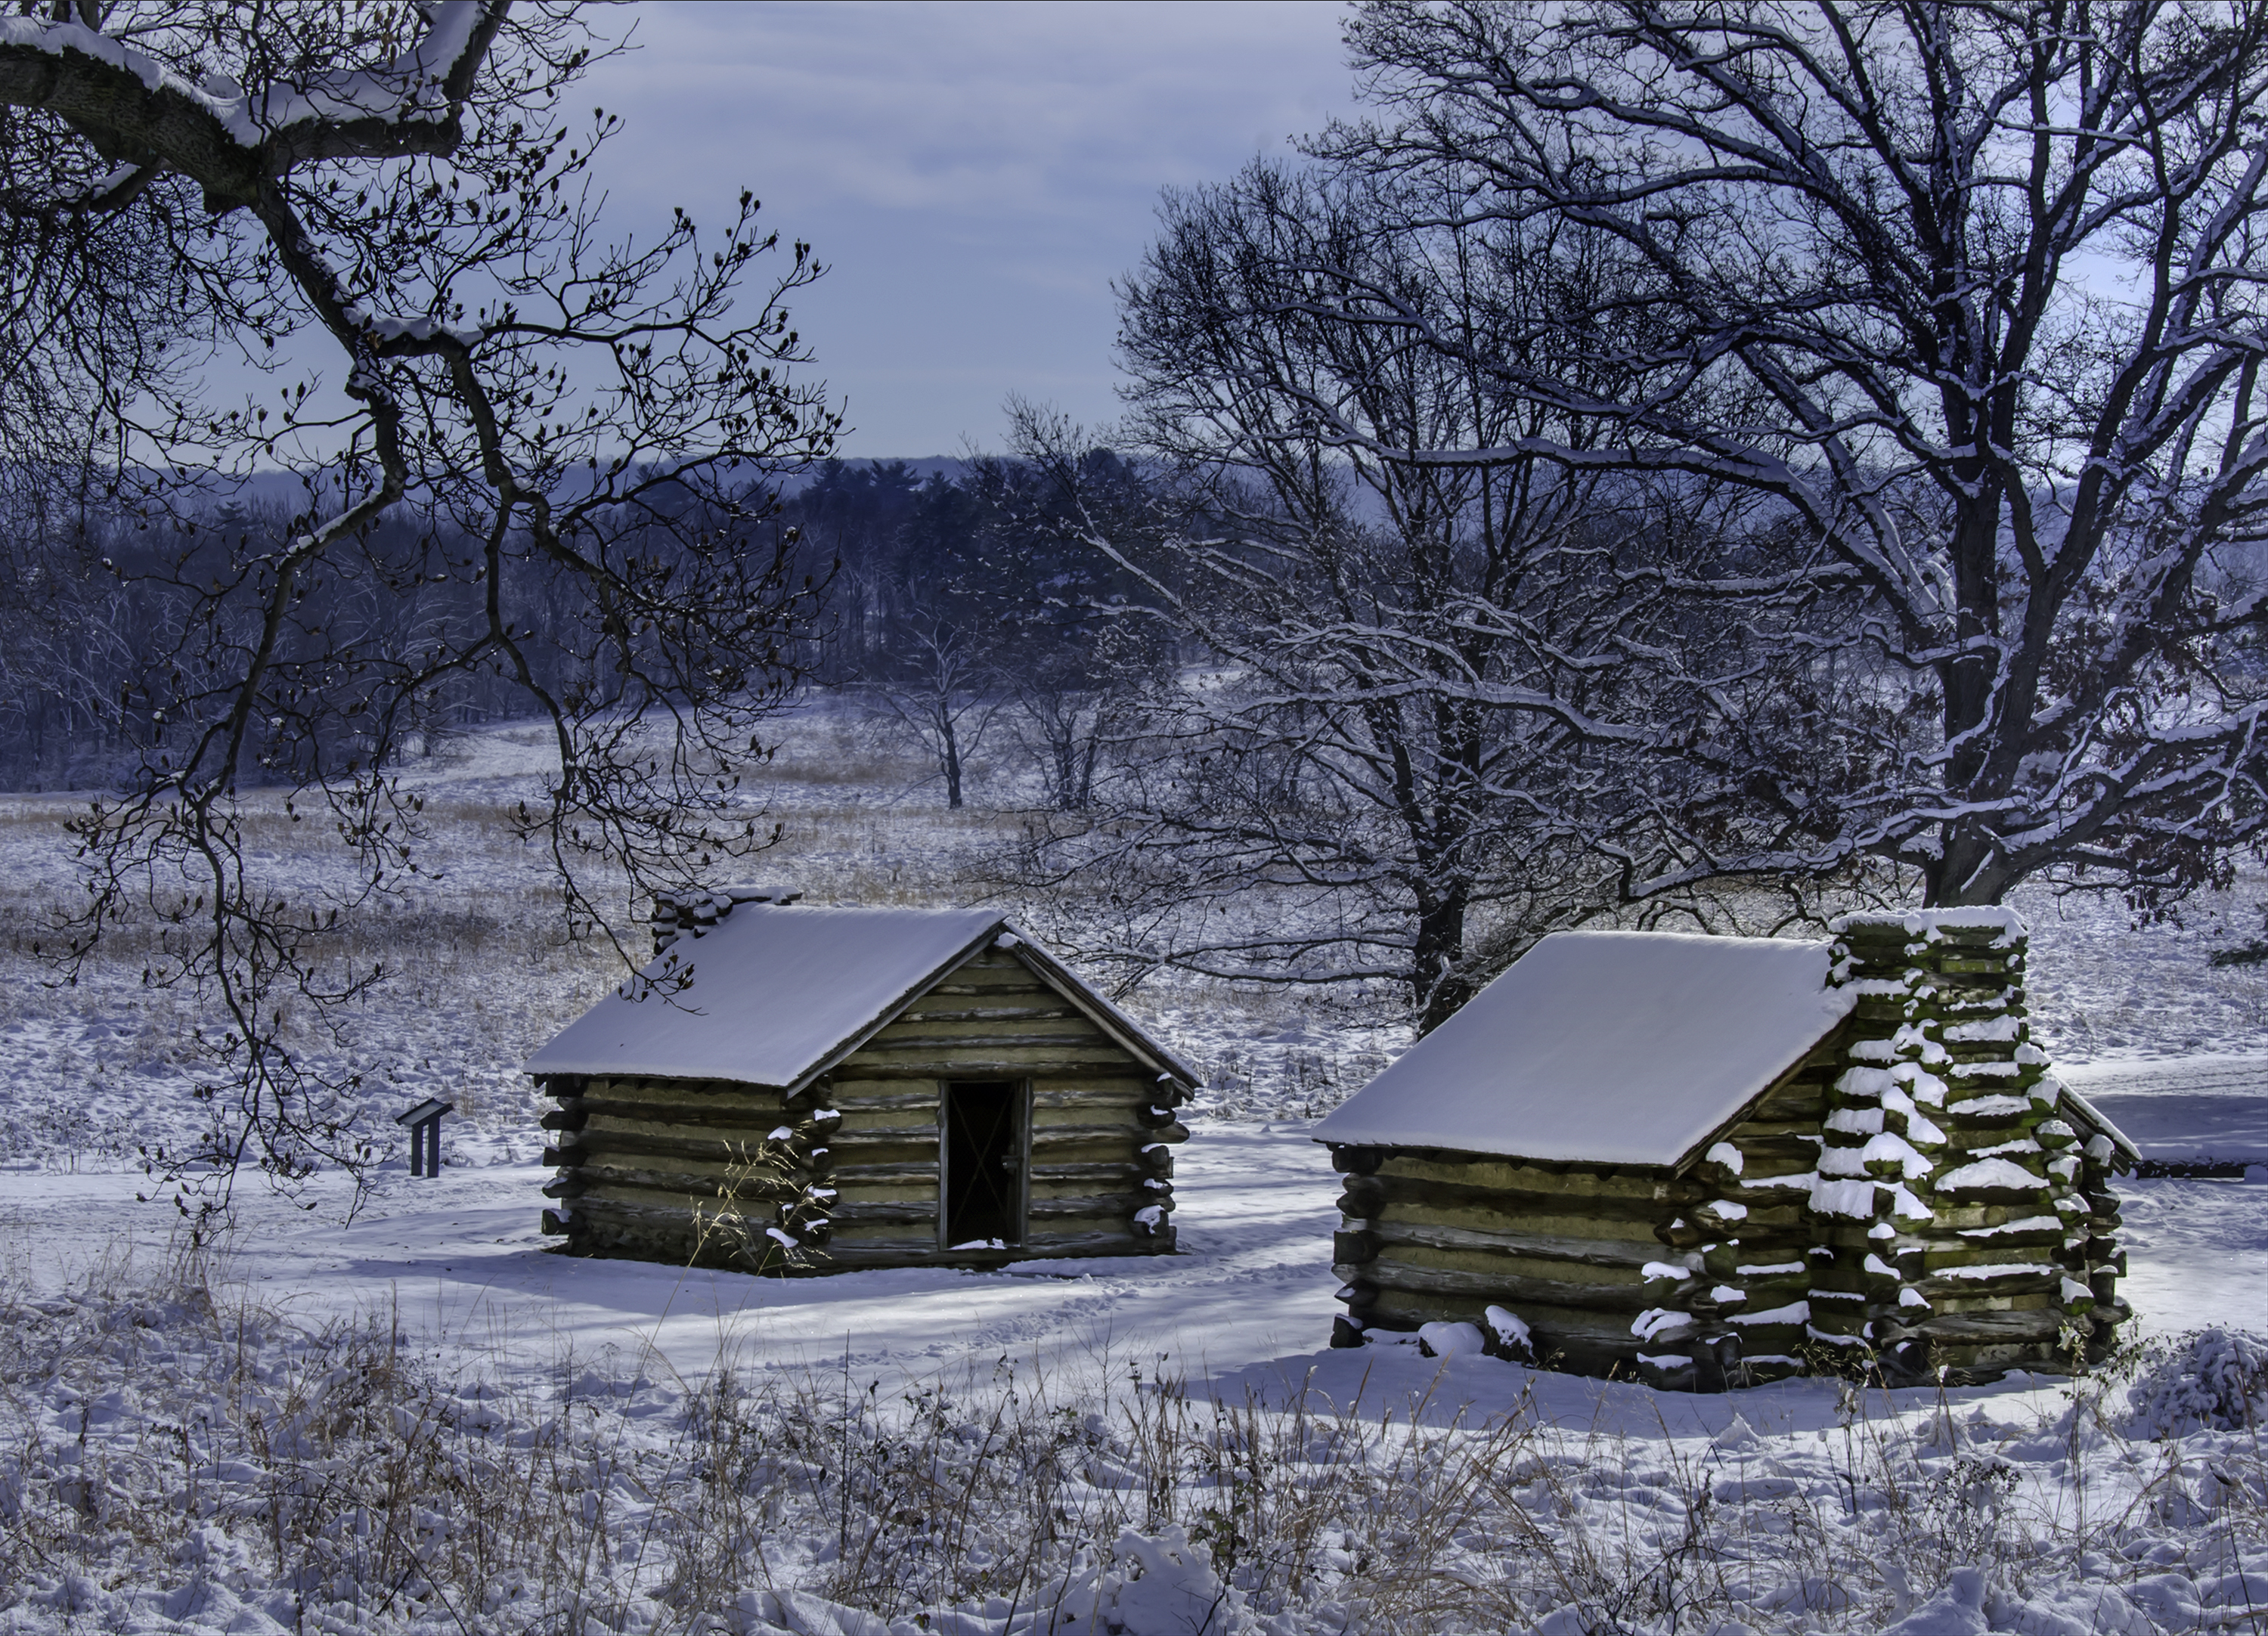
973 175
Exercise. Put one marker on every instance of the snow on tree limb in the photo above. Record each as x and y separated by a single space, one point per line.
1979 305
390 187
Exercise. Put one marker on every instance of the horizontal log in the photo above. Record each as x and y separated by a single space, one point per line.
640 1087
1121 1170
709 1188
660 1196
1954 1302
2041 1324
704 1150
2038 1244
992 1057
1112 1093
848 1214
925 1036
982 982
987 1065
881 1095
1390 1272
1064 1129
905 1242
1605 1184
1066 1141
850 1175
601 1129
1967 1134
1098 1242
765 1111
1620 1254
1041 1008
1940 1289
910 1123
1789 1136
1113 1205
1115 1150
1775 1155
1501 1209
1057 1227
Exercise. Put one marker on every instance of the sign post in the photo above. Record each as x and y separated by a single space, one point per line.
424 1122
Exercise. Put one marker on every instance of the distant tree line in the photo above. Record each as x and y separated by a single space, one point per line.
945 597
120 623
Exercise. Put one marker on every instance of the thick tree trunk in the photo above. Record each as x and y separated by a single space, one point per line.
949 756
1436 973
1970 872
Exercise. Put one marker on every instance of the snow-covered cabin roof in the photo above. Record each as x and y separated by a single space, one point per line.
775 994
1604 1047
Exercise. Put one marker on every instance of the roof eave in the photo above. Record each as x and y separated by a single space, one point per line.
2091 1115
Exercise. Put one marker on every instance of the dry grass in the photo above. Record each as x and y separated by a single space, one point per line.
357 1478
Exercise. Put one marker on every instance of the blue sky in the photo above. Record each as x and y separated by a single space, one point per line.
975 174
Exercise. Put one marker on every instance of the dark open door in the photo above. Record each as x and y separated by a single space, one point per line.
983 1180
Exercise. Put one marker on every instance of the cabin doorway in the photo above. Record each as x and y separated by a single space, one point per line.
985 1147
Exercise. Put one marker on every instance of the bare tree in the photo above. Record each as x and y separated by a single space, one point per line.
1418 665
943 693
1074 705
1972 295
575 430
1078 663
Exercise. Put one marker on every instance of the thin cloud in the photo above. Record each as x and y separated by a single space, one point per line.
975 174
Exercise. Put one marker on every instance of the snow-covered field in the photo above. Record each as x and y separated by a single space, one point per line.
417 1419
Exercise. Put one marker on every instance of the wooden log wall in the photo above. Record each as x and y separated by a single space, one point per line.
844 1174
1430 1236
1739 1266
695 1171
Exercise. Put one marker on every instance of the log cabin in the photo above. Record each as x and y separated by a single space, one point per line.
797 1089
1704 1161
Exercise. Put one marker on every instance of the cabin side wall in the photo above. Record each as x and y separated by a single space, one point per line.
846 1173
1428 1236
677 1170
1740 1264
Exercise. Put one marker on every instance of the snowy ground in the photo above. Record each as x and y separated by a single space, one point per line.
1542 1502
1248 1300
1523 1501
